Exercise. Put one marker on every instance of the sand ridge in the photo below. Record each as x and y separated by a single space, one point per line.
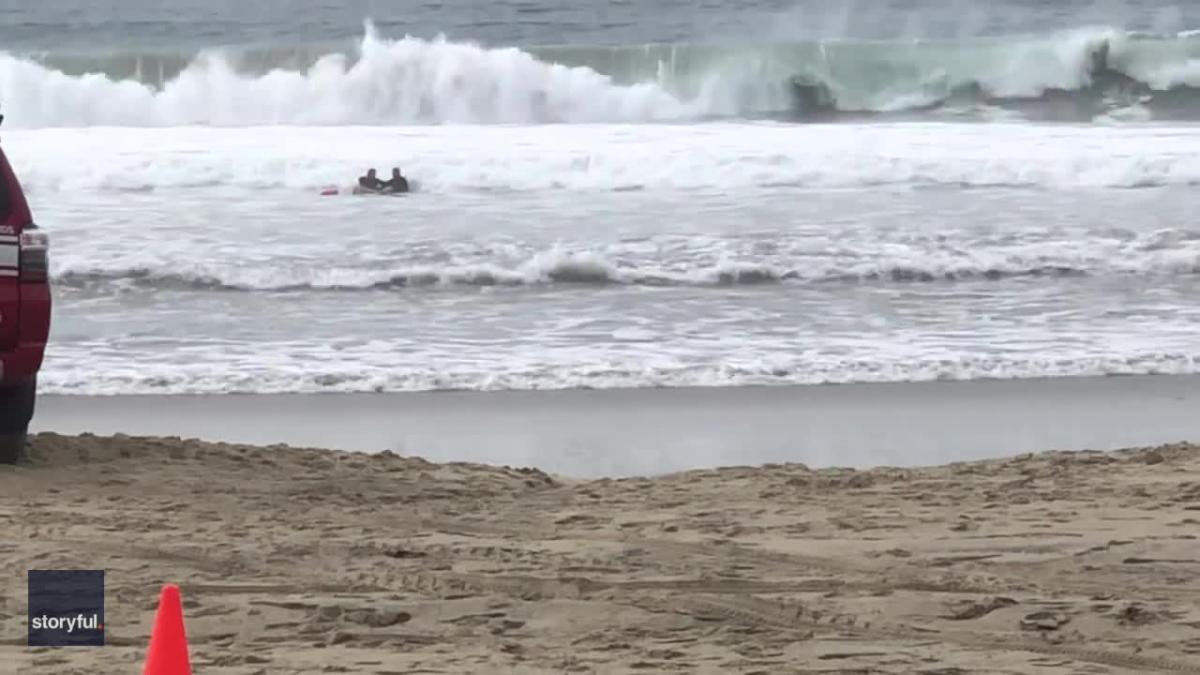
297 560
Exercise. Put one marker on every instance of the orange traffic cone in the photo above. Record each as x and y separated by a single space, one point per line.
168 653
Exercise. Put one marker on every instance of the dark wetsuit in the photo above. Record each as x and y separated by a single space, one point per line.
397 184
371 183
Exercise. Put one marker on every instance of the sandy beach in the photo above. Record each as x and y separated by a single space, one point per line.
315 561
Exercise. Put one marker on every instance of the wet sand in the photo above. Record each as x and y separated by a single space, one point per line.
594 434
316 561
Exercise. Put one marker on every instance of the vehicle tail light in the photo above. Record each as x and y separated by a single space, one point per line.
35 249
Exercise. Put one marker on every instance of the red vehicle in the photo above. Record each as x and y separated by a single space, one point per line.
24 311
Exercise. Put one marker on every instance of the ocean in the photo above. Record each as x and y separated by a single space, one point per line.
607 194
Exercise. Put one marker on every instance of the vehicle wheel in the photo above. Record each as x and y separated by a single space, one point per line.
12 446
16 409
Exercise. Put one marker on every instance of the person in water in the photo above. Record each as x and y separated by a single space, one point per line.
398 183
371 181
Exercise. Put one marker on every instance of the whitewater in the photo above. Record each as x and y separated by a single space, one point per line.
614 215
1084 74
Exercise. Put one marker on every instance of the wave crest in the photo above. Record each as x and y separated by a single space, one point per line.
1077 74
593 269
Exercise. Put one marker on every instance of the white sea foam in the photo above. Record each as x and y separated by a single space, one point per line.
164 292
219 372
728 156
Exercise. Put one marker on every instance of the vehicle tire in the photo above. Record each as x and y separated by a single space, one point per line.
16 409
12 446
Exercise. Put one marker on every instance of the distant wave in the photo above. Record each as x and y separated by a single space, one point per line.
593 269
1081 74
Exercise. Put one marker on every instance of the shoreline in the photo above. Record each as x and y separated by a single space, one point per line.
646 432
679 388
299 560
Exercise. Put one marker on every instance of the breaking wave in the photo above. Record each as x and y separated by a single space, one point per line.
593 269
1087 73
